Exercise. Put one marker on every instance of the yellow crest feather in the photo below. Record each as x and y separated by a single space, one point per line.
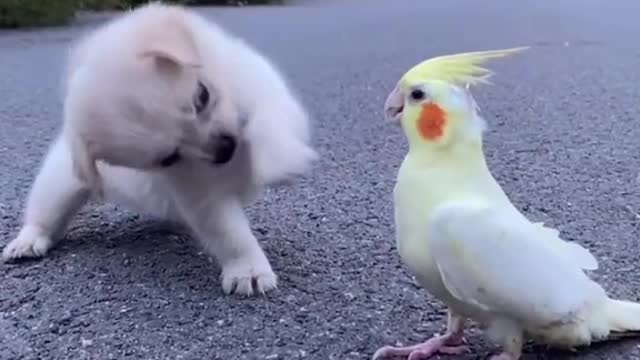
458 69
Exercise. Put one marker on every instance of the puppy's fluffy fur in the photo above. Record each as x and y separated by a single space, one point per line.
134 97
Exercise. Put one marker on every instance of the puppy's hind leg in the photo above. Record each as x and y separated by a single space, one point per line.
221 226
55 197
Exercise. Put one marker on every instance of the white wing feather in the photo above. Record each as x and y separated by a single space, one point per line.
574 252
496 260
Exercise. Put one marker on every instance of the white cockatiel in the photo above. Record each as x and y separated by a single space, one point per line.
468 245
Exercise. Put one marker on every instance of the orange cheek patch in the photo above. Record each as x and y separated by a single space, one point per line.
432 121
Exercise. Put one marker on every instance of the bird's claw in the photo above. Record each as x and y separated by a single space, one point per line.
441 344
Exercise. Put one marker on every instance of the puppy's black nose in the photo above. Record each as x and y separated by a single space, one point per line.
173 158
224 148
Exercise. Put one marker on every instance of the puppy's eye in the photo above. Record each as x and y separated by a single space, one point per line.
417 95
201 99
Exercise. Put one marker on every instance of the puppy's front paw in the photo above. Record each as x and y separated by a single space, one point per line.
31 242
248 275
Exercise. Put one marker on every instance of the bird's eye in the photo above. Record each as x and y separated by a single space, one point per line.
202 97
417 95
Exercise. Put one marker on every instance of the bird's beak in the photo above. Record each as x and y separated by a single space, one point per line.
394 105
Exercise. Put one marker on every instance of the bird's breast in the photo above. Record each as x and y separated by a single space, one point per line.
412 239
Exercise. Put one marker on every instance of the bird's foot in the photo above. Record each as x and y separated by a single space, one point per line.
448 344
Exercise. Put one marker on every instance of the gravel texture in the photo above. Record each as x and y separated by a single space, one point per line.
563 141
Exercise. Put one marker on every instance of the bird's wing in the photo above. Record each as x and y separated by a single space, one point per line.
572 251
495 260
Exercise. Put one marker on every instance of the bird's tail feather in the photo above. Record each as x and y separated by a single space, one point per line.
623 318
623 335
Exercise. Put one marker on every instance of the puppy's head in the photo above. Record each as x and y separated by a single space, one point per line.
143 96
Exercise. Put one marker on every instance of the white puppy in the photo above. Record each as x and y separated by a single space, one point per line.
170 115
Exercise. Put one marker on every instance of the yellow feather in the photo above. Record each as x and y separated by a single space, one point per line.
458 69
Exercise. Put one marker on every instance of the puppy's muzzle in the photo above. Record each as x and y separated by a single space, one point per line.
223 148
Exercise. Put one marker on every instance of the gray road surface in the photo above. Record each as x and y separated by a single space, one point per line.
563 140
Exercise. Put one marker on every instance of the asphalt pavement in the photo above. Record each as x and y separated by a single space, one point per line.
563 140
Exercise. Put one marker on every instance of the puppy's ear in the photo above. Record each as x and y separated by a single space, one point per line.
171 45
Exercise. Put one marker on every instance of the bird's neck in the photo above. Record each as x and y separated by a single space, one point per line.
466 155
